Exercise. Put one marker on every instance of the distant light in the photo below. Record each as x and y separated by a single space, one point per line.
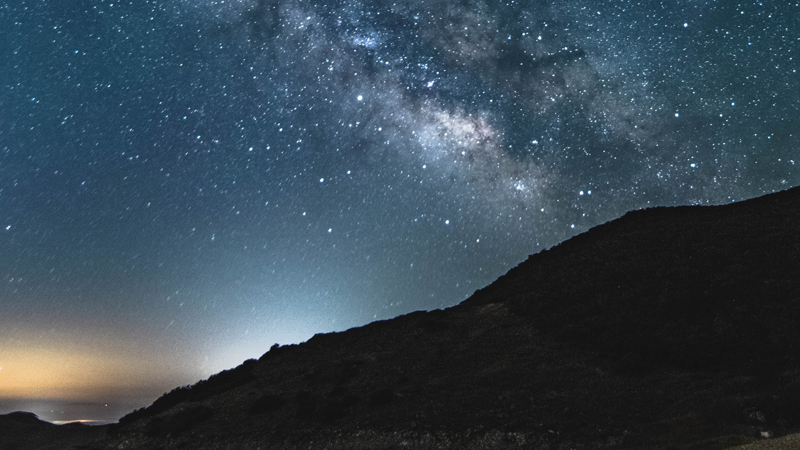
677 115
447 222
361 98
572 226
580 193
693 165
685 24
330 230
8 227
322 180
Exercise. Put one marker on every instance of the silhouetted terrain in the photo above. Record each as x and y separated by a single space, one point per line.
23 430
667 328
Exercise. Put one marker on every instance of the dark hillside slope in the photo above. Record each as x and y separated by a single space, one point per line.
694 287
670 328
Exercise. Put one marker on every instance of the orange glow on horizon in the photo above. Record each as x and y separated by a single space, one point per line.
73 368
54 373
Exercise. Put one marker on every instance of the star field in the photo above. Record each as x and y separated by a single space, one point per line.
185 183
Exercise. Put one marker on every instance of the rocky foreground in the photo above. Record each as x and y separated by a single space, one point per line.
669 328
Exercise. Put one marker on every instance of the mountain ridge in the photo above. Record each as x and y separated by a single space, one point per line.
671 327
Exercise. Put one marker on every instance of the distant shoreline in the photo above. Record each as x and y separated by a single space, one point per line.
64 411
83 422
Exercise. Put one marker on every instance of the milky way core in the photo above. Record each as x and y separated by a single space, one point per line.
185 183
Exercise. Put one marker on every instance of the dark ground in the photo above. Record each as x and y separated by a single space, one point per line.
670 328
21 430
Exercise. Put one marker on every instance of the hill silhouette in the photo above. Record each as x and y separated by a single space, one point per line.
669 328
24 430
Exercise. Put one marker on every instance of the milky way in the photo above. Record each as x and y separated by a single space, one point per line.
202 178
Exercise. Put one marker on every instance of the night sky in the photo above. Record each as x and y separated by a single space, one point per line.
184 183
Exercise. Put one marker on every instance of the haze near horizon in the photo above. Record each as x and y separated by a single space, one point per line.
183 184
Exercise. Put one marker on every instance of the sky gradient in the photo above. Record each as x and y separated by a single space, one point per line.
185 183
